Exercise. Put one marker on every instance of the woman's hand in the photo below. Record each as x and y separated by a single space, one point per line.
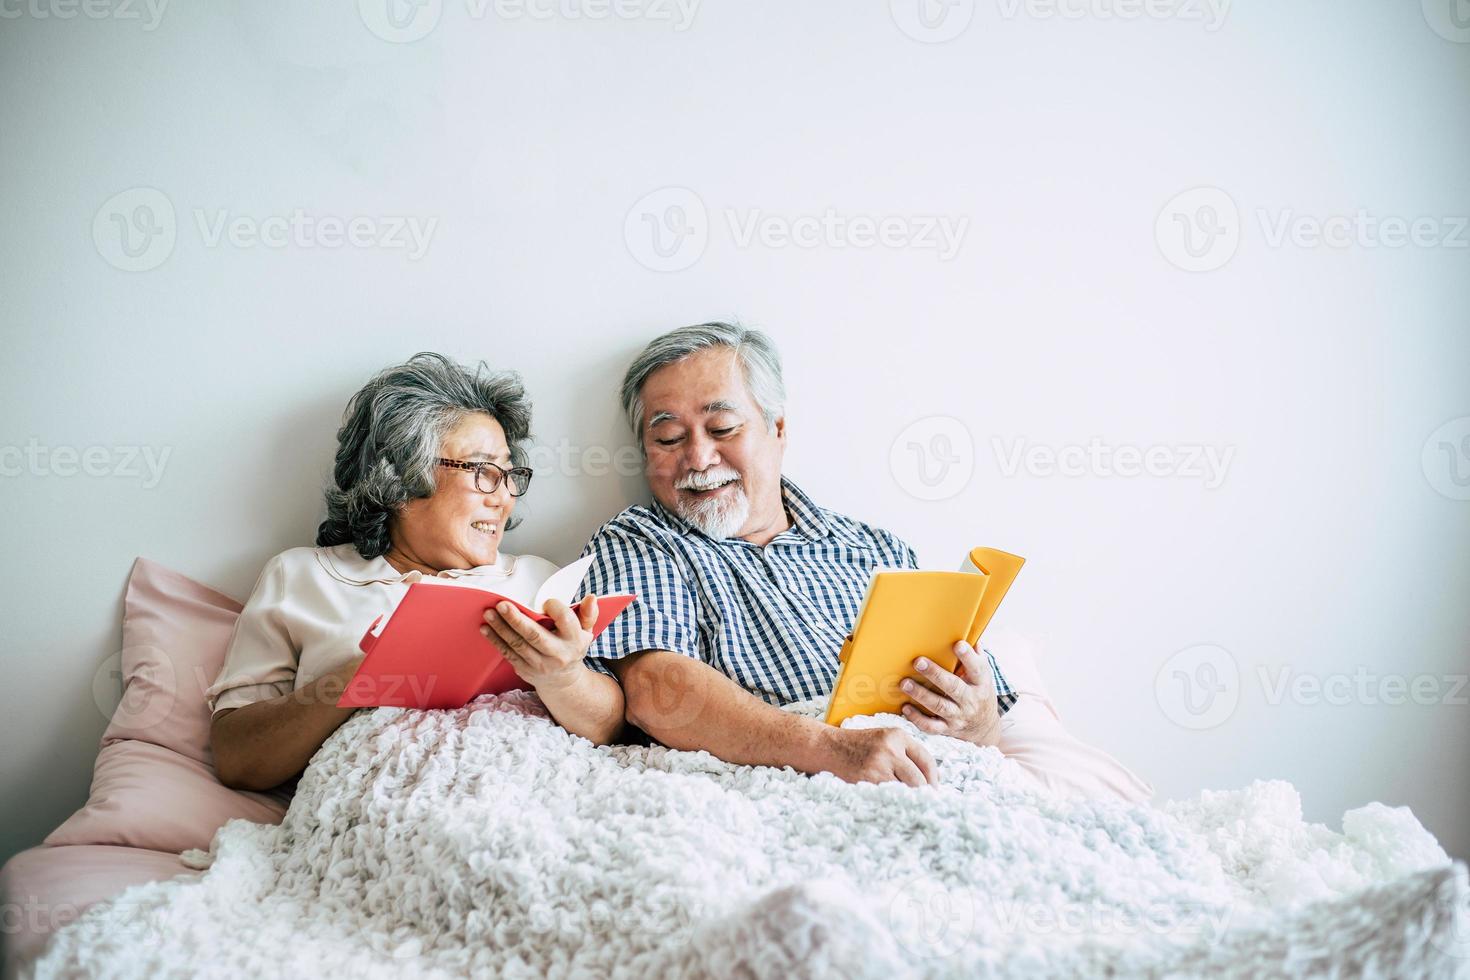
545 659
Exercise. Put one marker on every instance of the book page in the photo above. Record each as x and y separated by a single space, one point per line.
562 585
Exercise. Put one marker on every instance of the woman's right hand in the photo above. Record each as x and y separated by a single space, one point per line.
543 657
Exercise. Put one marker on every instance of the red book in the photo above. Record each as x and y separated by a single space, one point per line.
431 654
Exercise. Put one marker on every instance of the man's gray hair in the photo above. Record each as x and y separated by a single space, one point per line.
759 362
389 442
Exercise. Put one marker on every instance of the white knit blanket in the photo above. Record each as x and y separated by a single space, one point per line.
488 841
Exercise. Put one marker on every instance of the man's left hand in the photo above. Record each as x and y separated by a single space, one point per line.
960 704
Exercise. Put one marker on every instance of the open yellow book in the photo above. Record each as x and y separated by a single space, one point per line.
908 614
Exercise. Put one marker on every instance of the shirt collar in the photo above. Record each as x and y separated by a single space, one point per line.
344 564
807 519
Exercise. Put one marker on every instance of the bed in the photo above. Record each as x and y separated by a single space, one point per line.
487 840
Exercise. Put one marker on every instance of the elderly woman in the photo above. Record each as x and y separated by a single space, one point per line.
428 471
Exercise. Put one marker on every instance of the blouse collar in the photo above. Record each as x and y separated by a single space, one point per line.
344 564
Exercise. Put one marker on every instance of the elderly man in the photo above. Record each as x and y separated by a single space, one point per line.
746 586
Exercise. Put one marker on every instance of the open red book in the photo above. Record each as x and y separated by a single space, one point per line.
431 654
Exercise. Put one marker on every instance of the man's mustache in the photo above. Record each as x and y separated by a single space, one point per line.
706 479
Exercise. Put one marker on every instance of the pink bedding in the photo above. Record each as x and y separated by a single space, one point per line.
44 888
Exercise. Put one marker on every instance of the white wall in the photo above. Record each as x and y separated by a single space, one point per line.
1323 370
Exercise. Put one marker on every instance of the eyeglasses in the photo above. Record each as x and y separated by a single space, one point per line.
488 475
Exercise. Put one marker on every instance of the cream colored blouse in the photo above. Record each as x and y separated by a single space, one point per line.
311 606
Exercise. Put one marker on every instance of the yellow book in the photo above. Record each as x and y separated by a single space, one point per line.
907 614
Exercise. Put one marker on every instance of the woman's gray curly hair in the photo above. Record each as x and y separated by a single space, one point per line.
390 437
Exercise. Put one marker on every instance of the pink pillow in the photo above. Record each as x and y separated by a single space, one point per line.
153 784
175 634
144 795
1032 734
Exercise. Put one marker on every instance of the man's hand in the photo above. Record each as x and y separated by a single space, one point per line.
961 705
878 755
541 657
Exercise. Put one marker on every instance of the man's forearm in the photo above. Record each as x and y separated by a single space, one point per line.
689 705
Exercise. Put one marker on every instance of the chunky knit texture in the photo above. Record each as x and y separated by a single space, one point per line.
489 841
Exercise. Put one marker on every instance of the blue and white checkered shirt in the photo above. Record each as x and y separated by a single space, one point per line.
772 618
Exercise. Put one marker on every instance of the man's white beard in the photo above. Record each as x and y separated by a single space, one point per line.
718 517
